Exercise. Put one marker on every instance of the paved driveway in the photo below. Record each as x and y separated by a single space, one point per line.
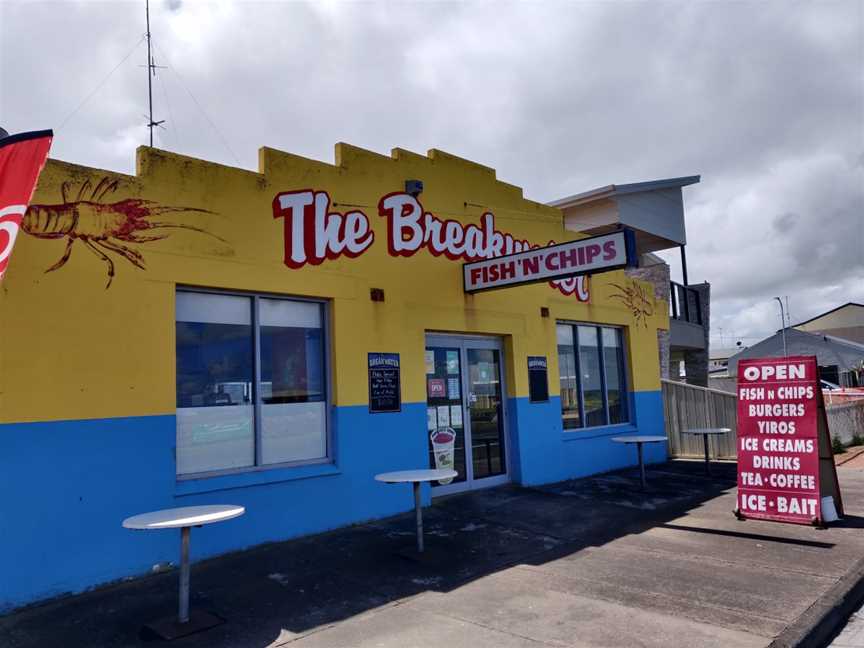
591 562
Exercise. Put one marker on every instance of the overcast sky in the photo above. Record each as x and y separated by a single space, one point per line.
764 100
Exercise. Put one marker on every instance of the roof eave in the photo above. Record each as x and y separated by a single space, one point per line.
610 191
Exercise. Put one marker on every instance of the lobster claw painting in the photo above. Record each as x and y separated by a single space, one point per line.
104 228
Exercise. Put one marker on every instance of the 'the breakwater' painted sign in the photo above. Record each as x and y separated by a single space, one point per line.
314 233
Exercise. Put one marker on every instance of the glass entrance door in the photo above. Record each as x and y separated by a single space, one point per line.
486 413
465 417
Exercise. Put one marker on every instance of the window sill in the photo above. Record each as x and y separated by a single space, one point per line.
195 486
598 432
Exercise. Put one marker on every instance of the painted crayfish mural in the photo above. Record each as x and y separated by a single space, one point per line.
636 299
104 228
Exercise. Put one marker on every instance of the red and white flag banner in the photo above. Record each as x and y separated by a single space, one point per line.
22 157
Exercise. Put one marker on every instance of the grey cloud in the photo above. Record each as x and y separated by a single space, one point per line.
763 99
785 222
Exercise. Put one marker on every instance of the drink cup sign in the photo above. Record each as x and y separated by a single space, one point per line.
443 447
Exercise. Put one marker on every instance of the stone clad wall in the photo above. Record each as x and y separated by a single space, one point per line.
696 362
657 274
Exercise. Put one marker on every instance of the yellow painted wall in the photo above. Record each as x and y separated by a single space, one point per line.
70 348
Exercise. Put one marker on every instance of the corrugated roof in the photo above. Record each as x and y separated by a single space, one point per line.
828 350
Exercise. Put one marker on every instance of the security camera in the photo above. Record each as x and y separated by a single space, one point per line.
414 187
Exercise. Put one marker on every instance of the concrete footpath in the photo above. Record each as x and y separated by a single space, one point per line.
591 562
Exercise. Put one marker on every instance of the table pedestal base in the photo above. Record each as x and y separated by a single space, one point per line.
170 628
432 555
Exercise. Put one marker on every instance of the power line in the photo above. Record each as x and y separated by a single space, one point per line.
101 83
200 107
176 131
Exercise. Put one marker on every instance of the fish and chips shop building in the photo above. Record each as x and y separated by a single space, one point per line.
199 334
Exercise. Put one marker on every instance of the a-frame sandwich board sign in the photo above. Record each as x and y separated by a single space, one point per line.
785 460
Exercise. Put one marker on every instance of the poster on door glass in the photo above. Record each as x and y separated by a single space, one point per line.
444 405
443 416
452 362
453 389
456 415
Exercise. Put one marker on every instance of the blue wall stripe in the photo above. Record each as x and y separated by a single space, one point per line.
69 484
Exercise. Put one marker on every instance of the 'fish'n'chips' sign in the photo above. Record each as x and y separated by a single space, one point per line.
585 256
782 434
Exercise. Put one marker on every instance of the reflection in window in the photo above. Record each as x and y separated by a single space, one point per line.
591 372
569 380
217 391
215 429
292 381
613 362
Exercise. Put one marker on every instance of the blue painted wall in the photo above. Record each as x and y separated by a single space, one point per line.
68 486
72 483
544 453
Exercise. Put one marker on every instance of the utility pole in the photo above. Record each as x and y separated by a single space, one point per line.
151 72
783 325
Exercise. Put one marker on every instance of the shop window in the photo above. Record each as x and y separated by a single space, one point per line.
591 371
251 382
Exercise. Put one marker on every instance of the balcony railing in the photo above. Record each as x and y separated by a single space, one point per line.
684 304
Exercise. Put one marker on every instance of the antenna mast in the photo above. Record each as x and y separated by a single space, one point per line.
151 72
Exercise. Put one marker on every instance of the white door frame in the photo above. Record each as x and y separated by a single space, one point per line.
463 343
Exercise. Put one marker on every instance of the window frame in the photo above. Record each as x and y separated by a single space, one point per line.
254 302
622 339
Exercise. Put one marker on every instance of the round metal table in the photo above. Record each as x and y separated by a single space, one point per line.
639 439
416 477
183 518
706 432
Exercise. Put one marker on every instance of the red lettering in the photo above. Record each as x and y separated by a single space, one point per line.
454 236
609 250
313 234
591 251
296 208
570 258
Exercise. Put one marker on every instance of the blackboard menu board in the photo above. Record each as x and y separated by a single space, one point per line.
538 379
385 394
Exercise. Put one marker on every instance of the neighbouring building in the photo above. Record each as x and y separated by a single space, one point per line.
655 211
201 334
718 361
846 322
840 361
